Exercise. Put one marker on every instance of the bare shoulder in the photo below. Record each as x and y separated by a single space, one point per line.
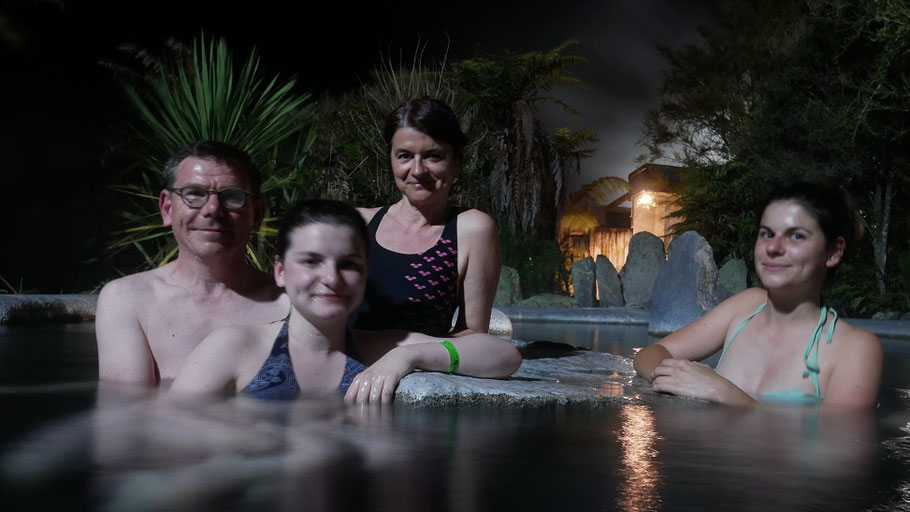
744 303
857 367
476 221
128 285
368 213
477 229
128 292
854 342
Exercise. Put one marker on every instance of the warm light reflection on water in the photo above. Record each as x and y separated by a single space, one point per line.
612 388
638 493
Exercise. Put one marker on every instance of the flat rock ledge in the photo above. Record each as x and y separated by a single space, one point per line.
551 374
601 316
37 309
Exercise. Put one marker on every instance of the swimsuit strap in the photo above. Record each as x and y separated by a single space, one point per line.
743 324
812 366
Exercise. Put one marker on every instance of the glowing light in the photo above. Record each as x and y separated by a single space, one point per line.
645 200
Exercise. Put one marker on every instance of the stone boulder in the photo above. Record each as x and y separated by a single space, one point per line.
508 291
608 283
583 282
685 288
551 374
886 315
646 258
731 279
500 325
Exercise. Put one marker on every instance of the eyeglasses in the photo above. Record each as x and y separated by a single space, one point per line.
195 196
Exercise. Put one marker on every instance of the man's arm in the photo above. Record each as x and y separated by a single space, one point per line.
124 354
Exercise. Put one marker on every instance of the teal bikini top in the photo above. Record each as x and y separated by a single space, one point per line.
810 357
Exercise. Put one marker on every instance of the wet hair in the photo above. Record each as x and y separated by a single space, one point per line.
829 205
234 157
321 211
430 116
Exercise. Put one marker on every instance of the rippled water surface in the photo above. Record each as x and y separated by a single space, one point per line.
65 444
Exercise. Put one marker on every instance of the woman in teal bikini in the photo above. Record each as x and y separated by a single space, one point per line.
779 342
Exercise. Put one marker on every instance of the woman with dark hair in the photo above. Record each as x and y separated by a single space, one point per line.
778 343
322 265
429 257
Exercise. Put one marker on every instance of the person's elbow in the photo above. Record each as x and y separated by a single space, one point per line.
510 361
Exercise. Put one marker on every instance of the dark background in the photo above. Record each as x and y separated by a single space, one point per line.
62 113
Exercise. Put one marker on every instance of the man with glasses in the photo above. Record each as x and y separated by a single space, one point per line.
148 323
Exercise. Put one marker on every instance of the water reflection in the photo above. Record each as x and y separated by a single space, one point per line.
638 491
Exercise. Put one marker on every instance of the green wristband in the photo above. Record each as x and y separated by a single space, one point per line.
454 360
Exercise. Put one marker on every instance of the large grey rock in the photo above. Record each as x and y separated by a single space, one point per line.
608 283
685 288
583 282
41 309
886 315
646 258
551 374
508 291
548 300
731 279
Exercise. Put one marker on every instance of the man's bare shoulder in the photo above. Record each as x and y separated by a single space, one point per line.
128 289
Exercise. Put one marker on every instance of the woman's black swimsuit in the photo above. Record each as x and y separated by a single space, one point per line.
414 292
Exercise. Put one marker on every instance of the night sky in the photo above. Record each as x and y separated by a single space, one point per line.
60 110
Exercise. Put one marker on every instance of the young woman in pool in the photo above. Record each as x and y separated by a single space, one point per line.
322 264
779 342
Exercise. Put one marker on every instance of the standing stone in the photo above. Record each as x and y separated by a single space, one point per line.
685 287
646 258
731 279
608 283
583 282
508 291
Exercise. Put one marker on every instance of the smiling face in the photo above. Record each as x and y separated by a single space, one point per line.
211 229
791 248
423 167
323 271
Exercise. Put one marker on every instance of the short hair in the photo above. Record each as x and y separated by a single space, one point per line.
829 205
321 211
430 116
232 156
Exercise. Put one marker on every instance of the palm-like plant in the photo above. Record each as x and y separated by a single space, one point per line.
525 164
199 95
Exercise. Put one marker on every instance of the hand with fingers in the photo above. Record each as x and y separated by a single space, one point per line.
696 380
377 383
